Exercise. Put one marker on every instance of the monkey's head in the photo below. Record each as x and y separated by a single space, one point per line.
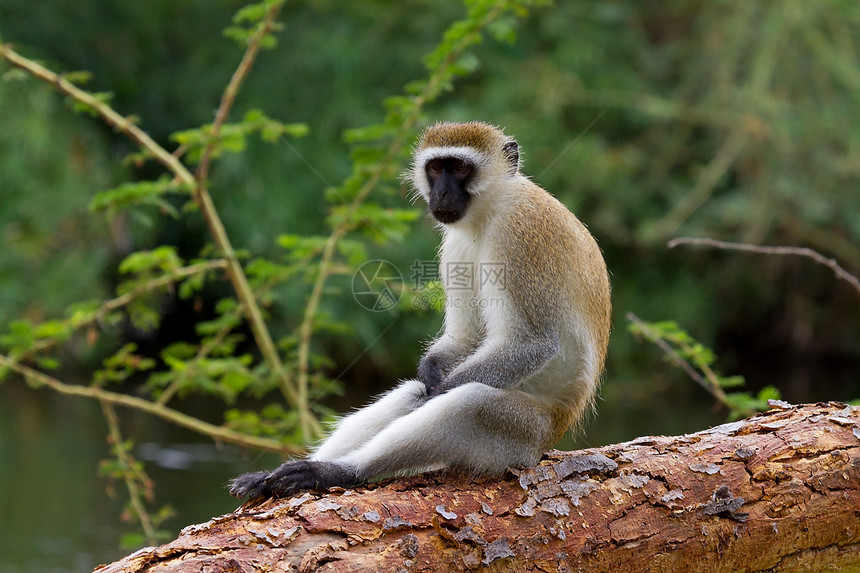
457 164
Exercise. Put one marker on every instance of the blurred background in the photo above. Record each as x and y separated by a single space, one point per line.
651 120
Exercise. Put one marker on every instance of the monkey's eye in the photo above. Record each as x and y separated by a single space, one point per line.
462 169
435 167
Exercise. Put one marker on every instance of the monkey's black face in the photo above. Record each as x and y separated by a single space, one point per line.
448 177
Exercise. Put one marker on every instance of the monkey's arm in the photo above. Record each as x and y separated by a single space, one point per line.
502 363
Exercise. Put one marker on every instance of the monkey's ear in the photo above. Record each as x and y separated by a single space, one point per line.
512 153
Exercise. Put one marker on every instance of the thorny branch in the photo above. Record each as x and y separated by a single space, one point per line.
265 27
708 384
128 477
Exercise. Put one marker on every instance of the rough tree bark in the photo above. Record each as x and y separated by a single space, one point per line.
776 492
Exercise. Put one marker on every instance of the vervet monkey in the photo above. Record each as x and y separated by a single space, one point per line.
520 356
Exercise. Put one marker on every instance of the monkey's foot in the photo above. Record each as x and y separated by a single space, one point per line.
293 476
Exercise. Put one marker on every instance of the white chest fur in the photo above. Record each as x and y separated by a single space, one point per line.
475 280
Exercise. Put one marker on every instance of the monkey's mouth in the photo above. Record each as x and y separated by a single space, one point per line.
447 216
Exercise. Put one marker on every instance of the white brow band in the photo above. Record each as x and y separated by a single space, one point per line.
460 152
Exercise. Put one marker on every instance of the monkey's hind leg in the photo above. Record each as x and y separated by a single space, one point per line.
474 427
358 428
351 433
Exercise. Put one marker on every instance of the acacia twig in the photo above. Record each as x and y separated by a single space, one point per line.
232 89
765 250
708 384
128 471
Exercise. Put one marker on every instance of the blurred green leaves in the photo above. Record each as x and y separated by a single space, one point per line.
51 251
139 193
232 137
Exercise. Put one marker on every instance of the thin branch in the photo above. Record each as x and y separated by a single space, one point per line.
127 467
232 89
764 250
111 117
164 280
712 388
824 239
262 335
217 433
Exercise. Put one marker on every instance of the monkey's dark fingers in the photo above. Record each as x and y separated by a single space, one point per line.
251 485
439 389
430 373
435 391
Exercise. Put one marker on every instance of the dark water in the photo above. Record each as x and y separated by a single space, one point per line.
56 514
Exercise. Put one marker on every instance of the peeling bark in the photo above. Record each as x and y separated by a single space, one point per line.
776 492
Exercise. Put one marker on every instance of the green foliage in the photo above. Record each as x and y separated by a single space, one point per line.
272 420
381 224
233 137
687 349
146 264
140 269
137 194
252 18
743 404
121 365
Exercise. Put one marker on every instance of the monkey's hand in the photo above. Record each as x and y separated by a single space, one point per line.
430 373
293 476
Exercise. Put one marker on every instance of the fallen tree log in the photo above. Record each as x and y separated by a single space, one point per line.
776 492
